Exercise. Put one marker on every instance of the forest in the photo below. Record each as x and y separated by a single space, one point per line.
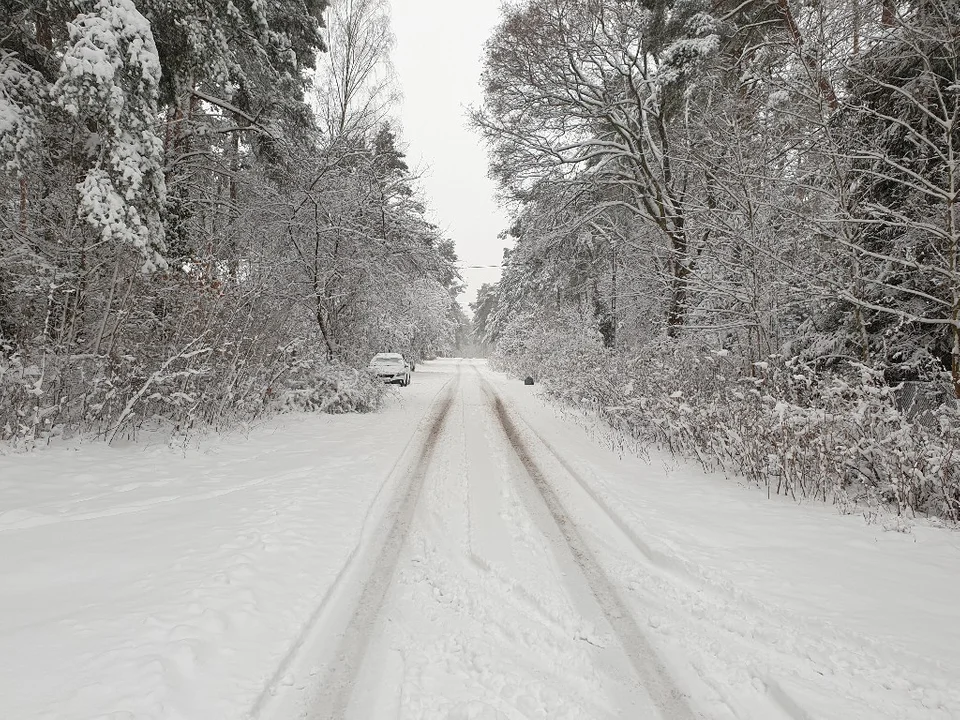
736 232
735 228
205 214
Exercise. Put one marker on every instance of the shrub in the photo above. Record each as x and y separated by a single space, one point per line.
315 385
210 382
780 423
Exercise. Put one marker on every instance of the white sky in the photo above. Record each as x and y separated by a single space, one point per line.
438 62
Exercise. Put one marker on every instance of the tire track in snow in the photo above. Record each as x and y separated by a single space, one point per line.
779 701
656 680
337 685
477 622
306 641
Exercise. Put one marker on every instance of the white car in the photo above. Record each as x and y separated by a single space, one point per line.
391 367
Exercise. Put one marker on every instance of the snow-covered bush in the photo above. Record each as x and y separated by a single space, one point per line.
313 384
782 424
19 415
205 369
556 351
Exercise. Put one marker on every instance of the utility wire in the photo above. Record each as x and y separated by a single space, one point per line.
517 263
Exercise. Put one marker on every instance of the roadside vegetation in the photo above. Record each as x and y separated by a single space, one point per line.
206 215
737 233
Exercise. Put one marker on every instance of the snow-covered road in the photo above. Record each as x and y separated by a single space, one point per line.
468 553
497 607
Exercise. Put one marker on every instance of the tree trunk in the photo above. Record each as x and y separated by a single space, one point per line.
614 291
120 316
856 19
808 60
952 221
888 13
676 308
106 310
955 365
679 284
323 322
23 205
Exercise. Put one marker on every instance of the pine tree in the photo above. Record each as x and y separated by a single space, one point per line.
904 146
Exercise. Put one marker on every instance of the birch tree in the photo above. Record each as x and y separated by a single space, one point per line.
355 83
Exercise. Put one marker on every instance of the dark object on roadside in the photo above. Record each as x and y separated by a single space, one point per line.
528 380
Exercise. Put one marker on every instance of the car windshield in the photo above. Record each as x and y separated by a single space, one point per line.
387 361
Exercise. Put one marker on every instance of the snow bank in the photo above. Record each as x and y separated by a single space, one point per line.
840 618
145 583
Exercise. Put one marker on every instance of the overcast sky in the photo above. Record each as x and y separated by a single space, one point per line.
438 62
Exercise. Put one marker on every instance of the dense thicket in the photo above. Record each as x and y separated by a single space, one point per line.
184 235
770 182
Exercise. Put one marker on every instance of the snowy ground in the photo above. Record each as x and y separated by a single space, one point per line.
468 553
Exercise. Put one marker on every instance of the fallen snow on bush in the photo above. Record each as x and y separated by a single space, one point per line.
787 427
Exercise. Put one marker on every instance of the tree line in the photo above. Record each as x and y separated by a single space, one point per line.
206 211
752 185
